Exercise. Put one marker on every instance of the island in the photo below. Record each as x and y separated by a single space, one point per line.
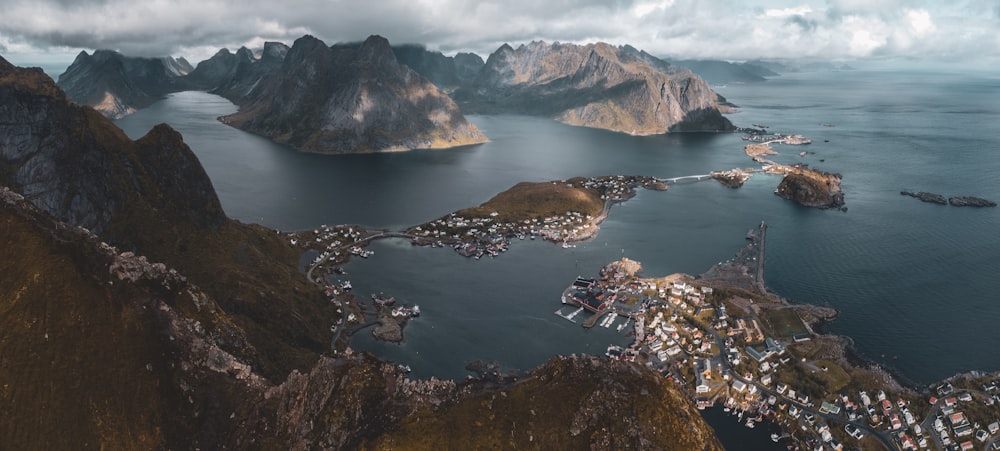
956 201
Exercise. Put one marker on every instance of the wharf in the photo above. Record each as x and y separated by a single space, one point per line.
592 321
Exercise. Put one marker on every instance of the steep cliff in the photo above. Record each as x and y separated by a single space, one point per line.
153 196
118 85
811 188
597 85
351 99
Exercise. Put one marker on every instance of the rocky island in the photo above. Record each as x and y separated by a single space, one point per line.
956 201
810 187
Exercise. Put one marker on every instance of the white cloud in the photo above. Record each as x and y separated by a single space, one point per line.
723 29
788 12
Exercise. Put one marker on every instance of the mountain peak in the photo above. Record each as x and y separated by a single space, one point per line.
376 50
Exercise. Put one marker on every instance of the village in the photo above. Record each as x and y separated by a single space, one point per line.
719 336
759 364
477 233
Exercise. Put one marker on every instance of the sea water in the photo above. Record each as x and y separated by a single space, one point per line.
915 283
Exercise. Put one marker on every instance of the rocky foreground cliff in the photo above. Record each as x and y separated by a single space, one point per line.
596 85
186 330
351 99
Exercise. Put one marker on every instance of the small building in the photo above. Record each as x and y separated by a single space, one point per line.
827 407
781 388
994 427
739 386
765 379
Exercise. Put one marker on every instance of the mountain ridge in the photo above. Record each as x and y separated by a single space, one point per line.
595 85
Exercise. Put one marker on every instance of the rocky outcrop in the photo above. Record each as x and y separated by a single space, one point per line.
152 196
80 168
811 188
955 201
349 99
969 201
597 85
118 85
926 197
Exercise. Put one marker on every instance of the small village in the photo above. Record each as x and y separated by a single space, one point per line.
477 234
759 365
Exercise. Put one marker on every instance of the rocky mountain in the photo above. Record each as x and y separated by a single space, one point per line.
348 99
446 72
153 196
118 85
597 85
248 70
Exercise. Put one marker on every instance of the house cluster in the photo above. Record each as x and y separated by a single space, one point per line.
953 428
491 234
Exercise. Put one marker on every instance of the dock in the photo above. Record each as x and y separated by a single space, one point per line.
592 321
570 317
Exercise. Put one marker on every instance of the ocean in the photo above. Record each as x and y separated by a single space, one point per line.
915 283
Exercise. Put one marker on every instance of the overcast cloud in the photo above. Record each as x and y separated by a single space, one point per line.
722 29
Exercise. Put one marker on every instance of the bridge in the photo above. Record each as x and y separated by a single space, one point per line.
687 177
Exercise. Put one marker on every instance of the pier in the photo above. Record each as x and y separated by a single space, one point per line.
592 321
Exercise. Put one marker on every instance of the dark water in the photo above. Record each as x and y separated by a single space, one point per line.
914 282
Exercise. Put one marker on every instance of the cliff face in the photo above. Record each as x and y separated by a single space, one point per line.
77 166
351 99
117 85
811 188
153 196
597 85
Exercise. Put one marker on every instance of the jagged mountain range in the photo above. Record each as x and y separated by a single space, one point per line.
596 85
175 327
368 96
350 99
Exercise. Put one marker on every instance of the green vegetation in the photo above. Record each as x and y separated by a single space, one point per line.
528 200
783 322
568 403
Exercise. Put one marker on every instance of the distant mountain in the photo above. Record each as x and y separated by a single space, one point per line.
350 98
249 70
118 85
597 85
721 72
446 72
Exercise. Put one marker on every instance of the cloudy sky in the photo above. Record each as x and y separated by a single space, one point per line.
940 30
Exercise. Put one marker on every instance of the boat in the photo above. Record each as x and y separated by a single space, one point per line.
775 438
415 312
405 368
750 424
